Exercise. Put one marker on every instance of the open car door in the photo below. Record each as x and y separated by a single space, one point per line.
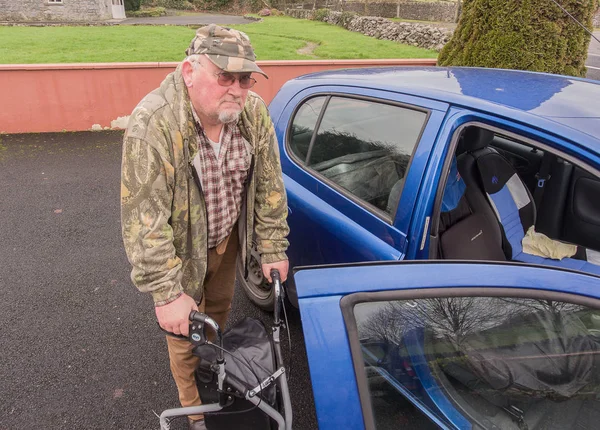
455 345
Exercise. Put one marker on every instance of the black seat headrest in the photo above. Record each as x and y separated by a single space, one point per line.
474 138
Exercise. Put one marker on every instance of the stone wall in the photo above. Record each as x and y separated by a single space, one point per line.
68 10
300 13
416 10
597 19
421 35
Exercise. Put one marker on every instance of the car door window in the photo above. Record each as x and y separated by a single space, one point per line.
500 362
362 146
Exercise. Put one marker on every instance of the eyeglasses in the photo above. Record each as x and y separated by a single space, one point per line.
226 79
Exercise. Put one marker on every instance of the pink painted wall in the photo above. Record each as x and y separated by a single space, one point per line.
73 97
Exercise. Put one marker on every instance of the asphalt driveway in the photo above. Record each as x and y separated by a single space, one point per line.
80 345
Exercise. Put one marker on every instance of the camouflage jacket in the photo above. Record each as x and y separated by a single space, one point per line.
163 213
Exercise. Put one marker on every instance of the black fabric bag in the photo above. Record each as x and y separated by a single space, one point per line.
249 342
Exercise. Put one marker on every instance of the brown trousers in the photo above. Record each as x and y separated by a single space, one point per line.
216 303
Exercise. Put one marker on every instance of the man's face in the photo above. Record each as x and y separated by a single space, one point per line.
212 101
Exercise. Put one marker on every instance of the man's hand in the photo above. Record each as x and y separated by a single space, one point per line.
282 266
174 317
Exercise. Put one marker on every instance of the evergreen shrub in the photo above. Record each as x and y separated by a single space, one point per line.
169 4
521 34
346 17
150 12
320 14
132 5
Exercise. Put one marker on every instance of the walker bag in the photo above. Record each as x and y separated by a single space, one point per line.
249 342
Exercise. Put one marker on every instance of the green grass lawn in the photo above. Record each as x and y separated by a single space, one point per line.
102 44
276 38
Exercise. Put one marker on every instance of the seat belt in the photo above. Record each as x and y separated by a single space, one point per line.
542 177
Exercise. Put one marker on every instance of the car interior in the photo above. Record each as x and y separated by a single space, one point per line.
506 200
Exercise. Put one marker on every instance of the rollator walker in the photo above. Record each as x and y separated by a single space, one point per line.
241 378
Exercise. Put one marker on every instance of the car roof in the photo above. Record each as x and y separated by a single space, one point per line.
567 101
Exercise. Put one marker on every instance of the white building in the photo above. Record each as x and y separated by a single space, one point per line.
61 10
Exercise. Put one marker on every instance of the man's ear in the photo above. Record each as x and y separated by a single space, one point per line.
187 71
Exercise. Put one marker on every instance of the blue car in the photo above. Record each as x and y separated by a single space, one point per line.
445 228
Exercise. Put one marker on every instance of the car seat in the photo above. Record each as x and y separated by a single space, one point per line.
496 191
466 234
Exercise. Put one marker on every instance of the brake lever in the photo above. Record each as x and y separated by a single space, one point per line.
197 328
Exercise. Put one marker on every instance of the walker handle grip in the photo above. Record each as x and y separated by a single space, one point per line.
278 295
197 316
275 276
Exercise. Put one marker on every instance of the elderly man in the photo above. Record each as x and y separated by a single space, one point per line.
200 175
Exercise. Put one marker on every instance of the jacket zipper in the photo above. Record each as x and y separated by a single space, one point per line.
199 185
248 182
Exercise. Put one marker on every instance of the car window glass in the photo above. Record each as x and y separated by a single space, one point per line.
491 362
304 125
365 147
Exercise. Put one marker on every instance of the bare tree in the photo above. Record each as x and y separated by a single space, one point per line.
386 325
534 305
456 318
453 318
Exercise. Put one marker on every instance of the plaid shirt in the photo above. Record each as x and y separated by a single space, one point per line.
222 179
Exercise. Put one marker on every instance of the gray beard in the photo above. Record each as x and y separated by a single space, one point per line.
229 116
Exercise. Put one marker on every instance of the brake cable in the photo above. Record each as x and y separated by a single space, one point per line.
287 329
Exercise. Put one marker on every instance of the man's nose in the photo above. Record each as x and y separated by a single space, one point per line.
235 88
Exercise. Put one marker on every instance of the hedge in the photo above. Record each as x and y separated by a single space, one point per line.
521 34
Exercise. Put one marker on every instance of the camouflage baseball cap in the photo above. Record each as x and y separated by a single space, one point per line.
228 49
